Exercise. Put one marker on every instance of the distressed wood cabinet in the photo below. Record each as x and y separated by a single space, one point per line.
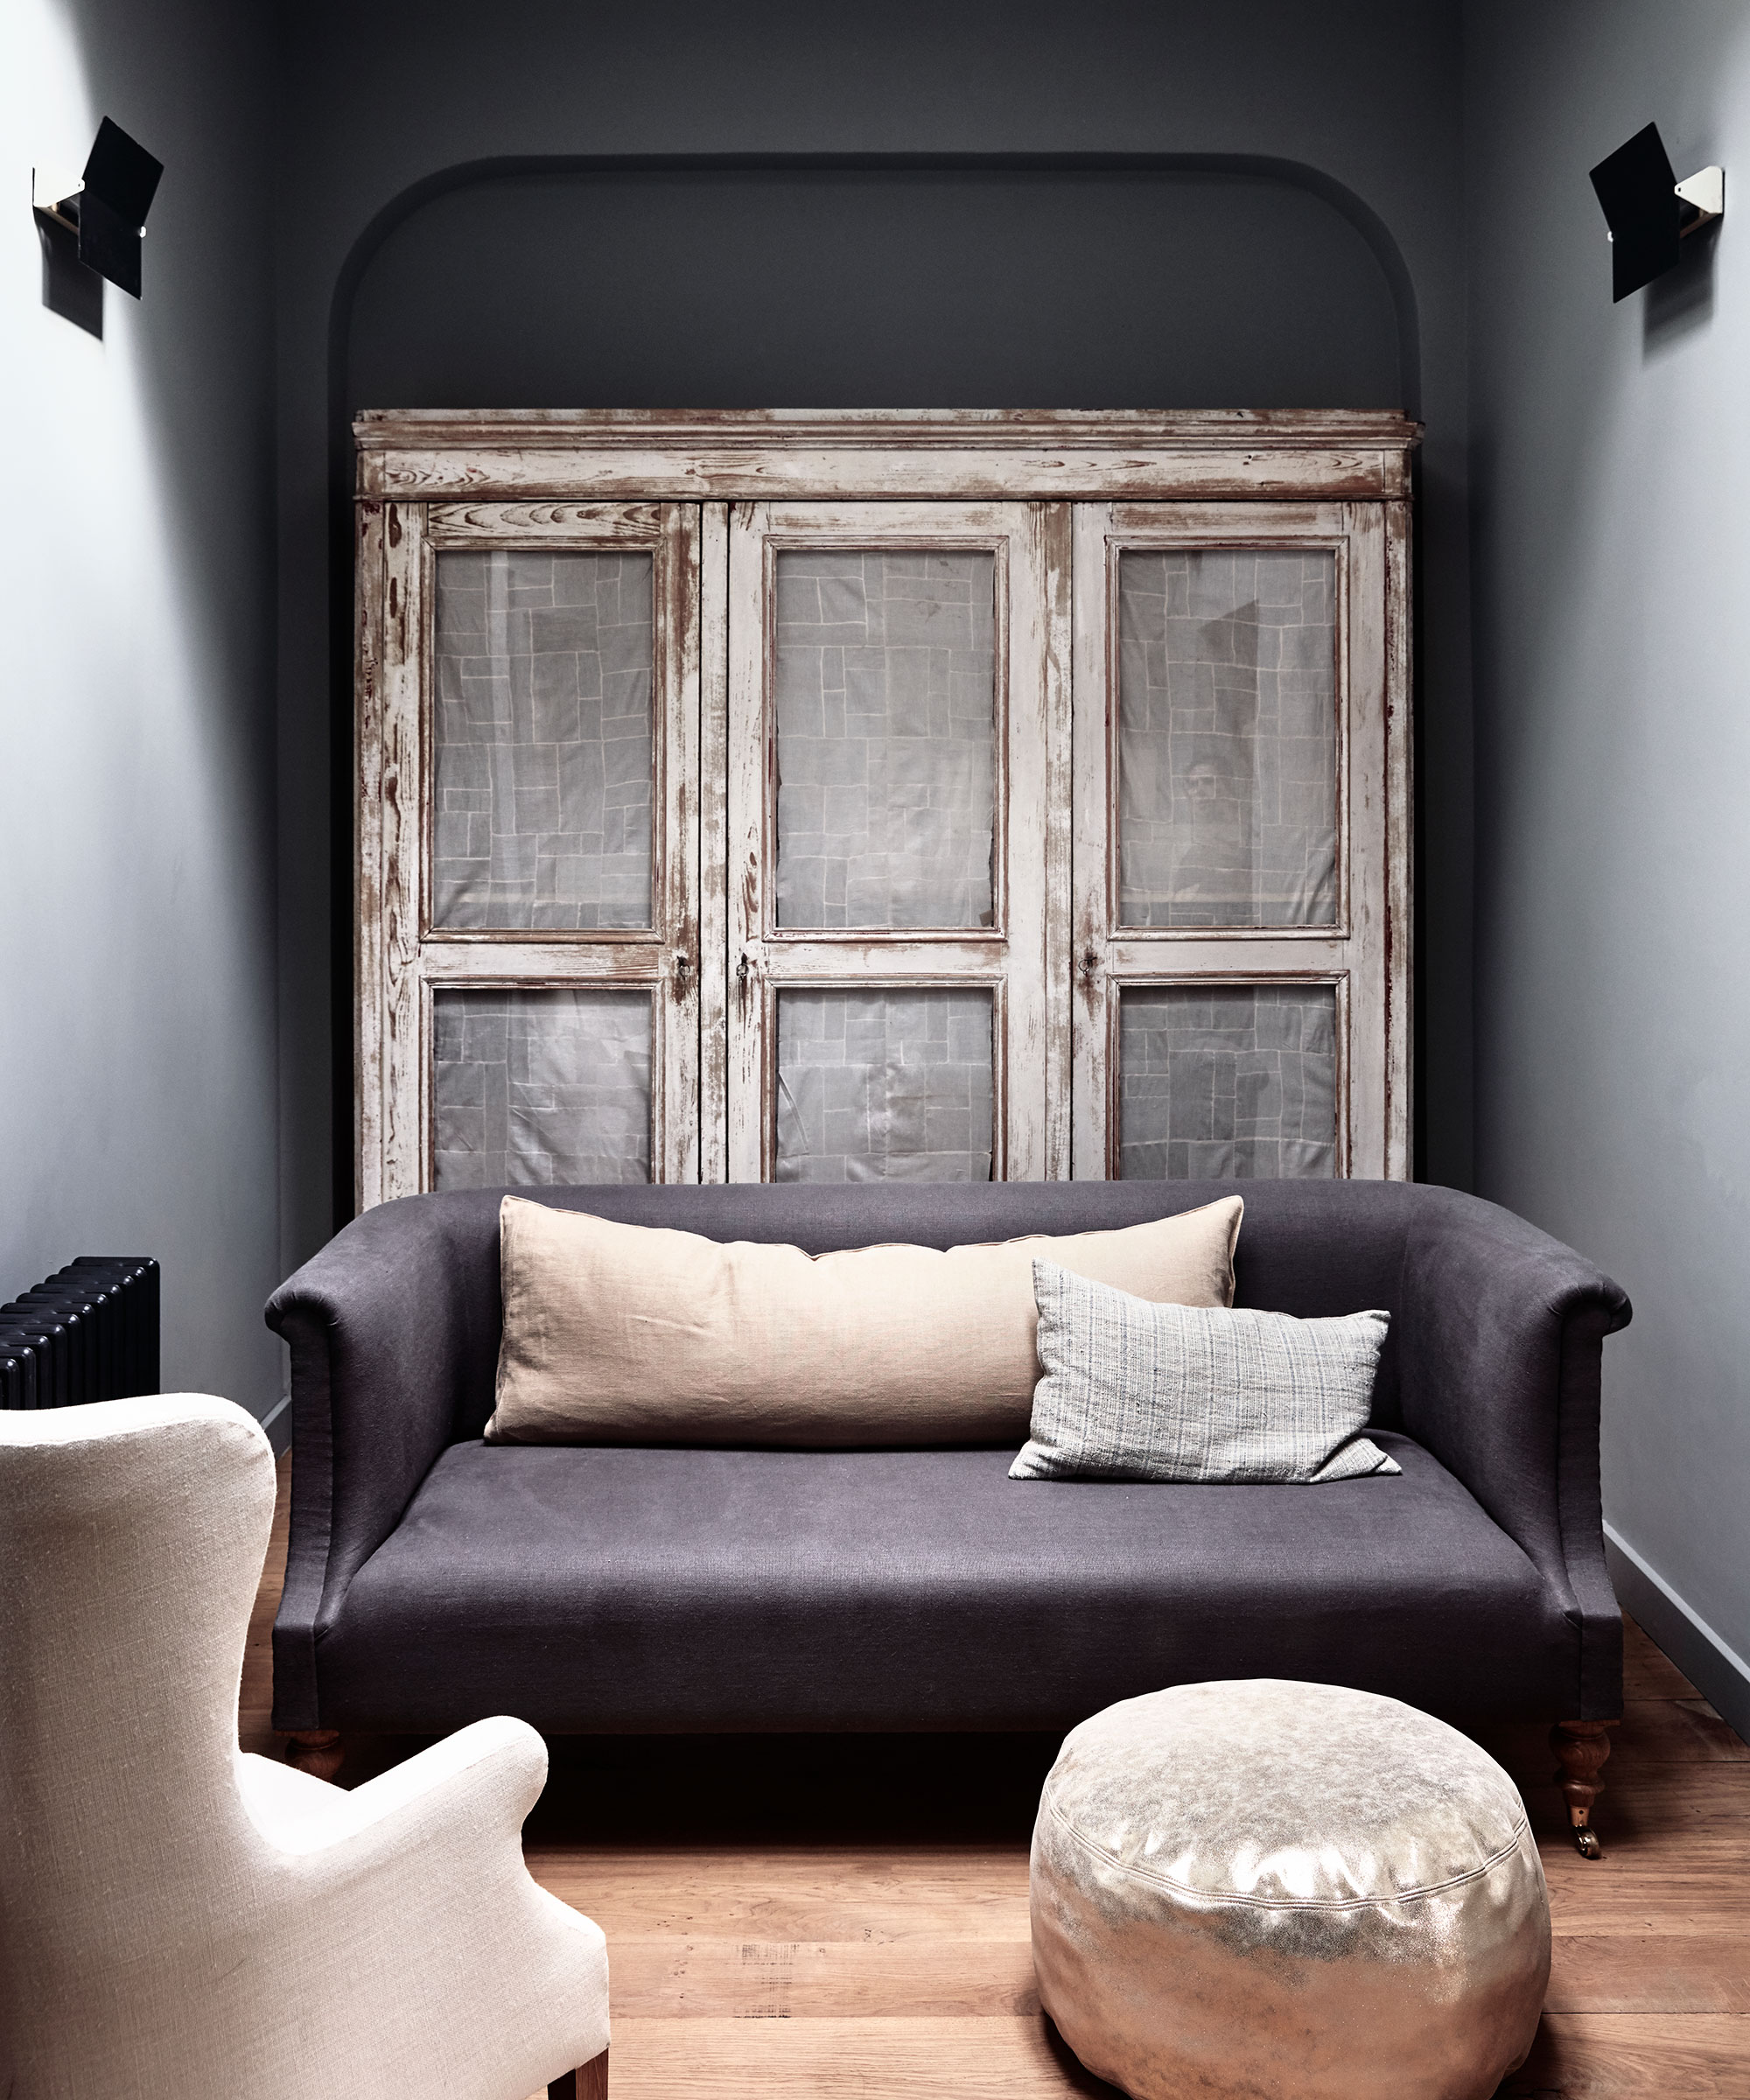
820 796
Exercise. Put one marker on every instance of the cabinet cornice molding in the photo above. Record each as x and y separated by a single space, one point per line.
757 454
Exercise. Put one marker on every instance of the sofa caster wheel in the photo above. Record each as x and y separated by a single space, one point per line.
1580 1748
317 1750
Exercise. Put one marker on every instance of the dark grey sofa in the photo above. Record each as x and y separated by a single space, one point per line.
434 1579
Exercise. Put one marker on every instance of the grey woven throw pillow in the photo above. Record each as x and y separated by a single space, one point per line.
1135 1391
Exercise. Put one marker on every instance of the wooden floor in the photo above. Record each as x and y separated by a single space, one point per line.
849 1917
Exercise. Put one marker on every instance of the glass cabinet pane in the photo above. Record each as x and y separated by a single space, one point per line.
1225 1081
886 732
884 1085
536 1089
1227 737
543 747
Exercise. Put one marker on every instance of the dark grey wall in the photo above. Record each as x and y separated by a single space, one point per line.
1612 466
137 985
873 289
988 287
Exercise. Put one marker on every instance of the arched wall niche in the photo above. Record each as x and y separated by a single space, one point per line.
835 281
1200 282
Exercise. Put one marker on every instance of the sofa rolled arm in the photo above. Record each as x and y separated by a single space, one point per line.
388 1327
1503 1343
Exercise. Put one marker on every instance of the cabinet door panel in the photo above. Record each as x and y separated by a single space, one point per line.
884 681
1225 1081
1240 818
529 961
884 1083
543 746
540 1087
896 717
1228 737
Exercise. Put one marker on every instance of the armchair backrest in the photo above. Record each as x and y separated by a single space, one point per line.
132 1534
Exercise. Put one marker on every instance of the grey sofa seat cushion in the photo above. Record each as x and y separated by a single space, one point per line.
654 1589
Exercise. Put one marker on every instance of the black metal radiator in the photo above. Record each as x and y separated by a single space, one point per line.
90 1331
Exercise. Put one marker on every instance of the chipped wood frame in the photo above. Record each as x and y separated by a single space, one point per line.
427 479
1029 1067
405 958
1364 950
754 455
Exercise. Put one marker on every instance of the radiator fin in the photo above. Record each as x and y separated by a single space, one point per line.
89 1332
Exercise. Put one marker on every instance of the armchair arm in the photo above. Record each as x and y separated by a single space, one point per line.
480 1783
393 1329
410 1897
1502 1339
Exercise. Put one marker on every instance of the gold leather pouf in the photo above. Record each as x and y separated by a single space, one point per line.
1268 1888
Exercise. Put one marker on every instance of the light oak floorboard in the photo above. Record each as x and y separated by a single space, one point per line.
796 1893
890 2059
824 1921
1648 1671
1624 1972
1630 2056
935 1978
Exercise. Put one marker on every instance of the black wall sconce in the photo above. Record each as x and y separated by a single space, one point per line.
1649 212
106 210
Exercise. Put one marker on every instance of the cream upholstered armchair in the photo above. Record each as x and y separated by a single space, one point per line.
181 1922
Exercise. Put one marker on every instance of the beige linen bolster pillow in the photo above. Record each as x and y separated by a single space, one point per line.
635 1334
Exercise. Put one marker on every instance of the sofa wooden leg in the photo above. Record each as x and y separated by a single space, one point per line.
318 1751
1581 1748
588 2083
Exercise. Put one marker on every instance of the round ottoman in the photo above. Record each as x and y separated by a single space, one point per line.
1264 1887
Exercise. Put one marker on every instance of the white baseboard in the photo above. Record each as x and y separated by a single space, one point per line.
277 1422
1716 1669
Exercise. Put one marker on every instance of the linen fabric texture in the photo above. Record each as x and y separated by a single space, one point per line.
815 1591
434 1579
1134 1391
1272 1887
177 1917
625 1334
